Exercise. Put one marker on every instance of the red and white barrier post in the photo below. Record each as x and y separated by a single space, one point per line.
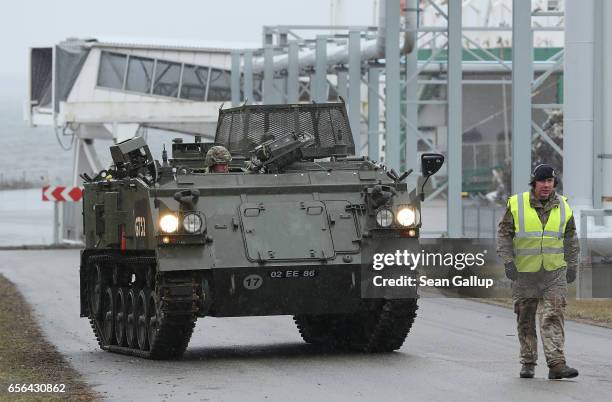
58 194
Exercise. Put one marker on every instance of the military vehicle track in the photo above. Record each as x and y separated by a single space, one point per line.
382 329
140 313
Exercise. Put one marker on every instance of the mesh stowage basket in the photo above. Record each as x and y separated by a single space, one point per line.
243 128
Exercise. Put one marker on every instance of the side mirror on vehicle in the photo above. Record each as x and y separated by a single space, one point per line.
431 163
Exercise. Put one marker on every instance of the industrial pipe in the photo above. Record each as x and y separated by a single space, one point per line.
338 54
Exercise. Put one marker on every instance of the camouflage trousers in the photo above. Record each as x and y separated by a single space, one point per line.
543 294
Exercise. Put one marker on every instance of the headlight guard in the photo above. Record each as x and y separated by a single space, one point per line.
384 217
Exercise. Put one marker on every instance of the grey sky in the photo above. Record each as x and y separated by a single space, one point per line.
29 22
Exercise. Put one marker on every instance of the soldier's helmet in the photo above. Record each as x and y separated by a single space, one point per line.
217 155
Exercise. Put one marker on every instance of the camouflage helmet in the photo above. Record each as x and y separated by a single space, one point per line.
217 155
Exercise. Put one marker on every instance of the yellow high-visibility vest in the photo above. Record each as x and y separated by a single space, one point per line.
536 246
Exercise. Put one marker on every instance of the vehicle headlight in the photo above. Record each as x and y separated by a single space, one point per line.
384 218
192 223
406 216
168 223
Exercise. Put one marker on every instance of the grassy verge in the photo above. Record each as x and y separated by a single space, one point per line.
27 358
596 312
590 311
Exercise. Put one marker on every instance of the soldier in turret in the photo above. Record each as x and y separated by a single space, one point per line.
218 159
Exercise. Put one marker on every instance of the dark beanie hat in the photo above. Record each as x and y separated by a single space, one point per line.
543 172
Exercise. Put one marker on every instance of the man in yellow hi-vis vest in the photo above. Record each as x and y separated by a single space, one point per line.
537 241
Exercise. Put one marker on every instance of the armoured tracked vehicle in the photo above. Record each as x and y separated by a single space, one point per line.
284 232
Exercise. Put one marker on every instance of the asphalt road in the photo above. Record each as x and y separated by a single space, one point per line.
458 350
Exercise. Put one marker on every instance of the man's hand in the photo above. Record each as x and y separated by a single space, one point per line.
570 275
511 272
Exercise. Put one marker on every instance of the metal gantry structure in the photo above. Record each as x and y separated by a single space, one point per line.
341 61
442 64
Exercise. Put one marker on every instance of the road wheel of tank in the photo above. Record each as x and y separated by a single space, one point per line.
142 319
108 316
131 328
95 288
151 324
154 319
121 304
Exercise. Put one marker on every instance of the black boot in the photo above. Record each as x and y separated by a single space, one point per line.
528 371
560 371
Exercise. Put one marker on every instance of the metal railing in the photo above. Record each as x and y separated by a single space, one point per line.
595 275
480 221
